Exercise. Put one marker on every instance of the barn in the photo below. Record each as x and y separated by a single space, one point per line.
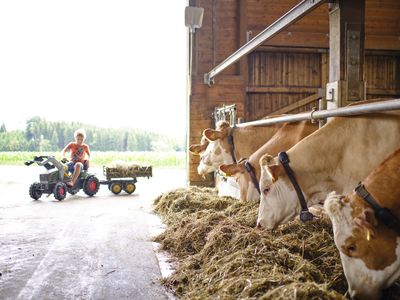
263 75
292 70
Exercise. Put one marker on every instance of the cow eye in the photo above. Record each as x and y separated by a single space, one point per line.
266 191
351 248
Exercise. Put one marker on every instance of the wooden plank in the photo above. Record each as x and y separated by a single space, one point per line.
297 105
282 89
375 91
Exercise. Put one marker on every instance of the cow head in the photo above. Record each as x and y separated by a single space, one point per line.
369 251
248 191
217 151
278 203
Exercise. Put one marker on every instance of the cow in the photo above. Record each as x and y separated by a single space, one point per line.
333 158
218 151
369 249
287 136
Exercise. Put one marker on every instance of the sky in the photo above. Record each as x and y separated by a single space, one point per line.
108 63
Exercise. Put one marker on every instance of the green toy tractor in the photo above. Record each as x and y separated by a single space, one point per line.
55 179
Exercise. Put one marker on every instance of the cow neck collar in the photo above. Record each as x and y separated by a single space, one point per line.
383 214
305 214
250 169
232 145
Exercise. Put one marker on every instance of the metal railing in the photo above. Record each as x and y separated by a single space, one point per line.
221 112
297 12
323 114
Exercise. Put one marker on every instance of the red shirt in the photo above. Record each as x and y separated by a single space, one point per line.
78 152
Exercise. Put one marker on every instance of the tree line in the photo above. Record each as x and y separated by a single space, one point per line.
43 135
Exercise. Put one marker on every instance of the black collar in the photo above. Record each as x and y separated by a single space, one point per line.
383 214
232 146
305 215
250 170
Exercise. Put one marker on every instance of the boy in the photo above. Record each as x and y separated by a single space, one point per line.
78 150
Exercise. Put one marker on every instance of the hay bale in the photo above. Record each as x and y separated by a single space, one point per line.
124 168
222 255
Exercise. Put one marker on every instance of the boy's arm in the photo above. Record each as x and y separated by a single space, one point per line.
65 150
87 152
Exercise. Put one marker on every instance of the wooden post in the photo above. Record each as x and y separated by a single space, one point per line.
346 52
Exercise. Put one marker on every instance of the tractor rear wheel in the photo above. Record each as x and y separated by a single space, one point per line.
116 188
91 185
129 187
60 191
34 191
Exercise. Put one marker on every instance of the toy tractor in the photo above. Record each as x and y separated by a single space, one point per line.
55 179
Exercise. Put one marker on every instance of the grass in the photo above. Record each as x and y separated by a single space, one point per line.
155 159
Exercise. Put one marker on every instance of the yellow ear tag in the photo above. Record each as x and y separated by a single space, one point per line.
368 235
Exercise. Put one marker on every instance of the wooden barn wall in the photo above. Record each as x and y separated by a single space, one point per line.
218 37
382 23
289 68
382 74
277 80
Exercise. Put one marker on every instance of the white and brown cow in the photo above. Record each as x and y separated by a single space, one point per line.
369 250
287 136
218 151
334 158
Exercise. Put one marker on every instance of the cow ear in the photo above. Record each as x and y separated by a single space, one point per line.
230 170
196 149
267 160
367 221
212 135
274 171
272 167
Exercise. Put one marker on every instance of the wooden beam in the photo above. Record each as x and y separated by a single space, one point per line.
383 92
346 52
282 89
297 104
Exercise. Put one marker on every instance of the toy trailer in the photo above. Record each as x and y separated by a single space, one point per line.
119 179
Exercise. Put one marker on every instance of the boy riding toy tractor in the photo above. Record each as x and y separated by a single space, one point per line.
55 180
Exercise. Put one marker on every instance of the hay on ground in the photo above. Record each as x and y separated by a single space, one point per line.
222 255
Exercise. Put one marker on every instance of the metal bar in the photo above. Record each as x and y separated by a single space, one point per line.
287 19
220 113
322 114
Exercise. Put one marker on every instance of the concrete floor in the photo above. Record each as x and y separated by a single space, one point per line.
80 248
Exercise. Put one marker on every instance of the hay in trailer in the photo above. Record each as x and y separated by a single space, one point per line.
124 169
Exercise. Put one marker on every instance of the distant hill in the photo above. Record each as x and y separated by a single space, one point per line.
43 135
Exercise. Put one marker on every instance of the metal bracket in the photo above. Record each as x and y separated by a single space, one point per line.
221 112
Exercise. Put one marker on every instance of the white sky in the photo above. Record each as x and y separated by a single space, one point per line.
109 63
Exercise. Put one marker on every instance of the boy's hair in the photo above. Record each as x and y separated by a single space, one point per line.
80 132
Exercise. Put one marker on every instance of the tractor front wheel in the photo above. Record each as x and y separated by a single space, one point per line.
34 191
116 188
91 186
60 191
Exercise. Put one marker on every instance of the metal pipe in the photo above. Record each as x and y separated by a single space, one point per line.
287 19
322 114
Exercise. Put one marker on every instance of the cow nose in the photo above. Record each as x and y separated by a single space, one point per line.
258 225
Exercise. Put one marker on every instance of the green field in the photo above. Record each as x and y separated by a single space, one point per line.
155 159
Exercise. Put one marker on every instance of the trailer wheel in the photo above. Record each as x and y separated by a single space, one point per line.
129 187
91 185
34 191
60 191
116 188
